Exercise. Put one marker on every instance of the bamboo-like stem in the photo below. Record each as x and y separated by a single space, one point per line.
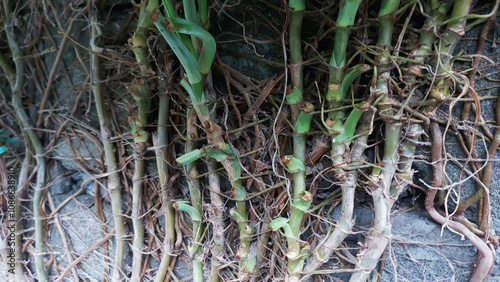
16 82
114 185
344 224
337 87
295 101
21 186
14 225
218 222
407 154
196 197
438 11
197 68
160 142
142 94
454 31
22 183
376 242
218 207
138 241
261 258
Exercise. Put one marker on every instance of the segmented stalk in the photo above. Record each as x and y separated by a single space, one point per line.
141 93
197 66
160 143
301 117
437 11
114 185
217 223
16 81
454 31
193 181
338 84
380 231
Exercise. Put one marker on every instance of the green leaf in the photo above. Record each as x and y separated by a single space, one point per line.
282 222
350 125
190 157
303 123
190 11
250 263
240 194
140 136
215 153
294 97
187 59
236 216
207 53
186 207
293 164
171 13
350 75
302 205
196 95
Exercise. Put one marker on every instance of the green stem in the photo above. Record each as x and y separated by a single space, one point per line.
141 92
194 185
218 222
17 85
325 249
22 185
138 242
197 69
454 31
295 29
301 118
376 242
114 184
160 143
203 13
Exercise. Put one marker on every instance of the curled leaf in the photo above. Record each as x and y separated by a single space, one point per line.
293 164
187 208
190 157
236 216
294 97
282 222
303 123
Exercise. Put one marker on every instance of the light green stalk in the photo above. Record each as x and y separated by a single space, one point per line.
437 11
301 118
380 231
455 29
338 83
141 93
193 181
160 143
16 78
218 222
295 98
340 80
407 149
114 184
22 183
203 13
198 66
